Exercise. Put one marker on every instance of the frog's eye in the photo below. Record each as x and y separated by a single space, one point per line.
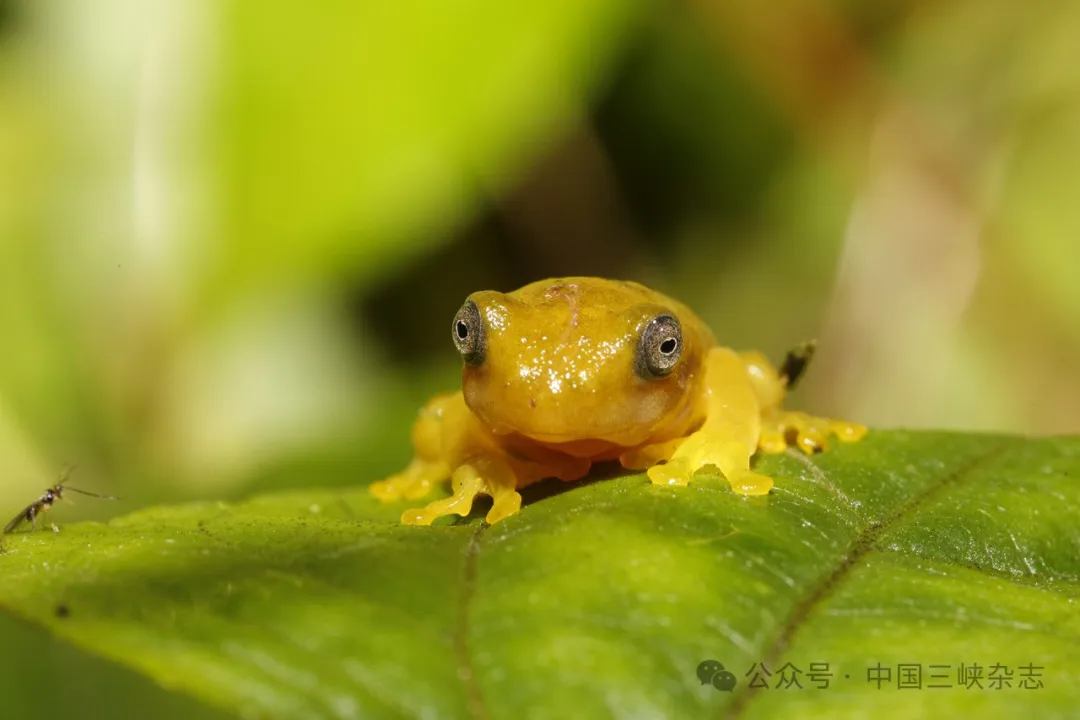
468 333
660 347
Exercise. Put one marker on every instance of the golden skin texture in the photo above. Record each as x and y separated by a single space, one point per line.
559 382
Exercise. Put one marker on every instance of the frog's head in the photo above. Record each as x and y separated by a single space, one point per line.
579 359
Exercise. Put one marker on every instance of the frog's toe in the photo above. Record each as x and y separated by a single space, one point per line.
417 516
772 440
505 504
812 435
806 432
847 431
413 483
750 483
467 485
670 473
433 511
390 489
398 487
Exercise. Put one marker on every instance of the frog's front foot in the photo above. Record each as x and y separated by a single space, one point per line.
413 483
468 482
810 434
699 450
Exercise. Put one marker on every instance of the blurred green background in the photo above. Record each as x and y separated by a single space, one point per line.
232 234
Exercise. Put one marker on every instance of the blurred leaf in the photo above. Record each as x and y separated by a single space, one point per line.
927 548
349 135
32 663
168 170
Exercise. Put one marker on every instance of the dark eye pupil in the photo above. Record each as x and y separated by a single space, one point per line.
462 330
668 346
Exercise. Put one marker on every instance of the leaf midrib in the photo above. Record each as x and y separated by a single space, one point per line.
865 541
474 697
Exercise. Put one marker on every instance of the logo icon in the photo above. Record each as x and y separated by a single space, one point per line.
711 671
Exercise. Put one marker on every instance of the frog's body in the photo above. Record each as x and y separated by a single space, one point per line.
564 373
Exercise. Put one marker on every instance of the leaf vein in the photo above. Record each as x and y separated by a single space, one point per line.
864 543
475 699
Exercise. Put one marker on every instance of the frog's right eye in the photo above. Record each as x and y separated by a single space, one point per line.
468 333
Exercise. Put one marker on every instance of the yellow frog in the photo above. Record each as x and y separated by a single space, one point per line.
567 372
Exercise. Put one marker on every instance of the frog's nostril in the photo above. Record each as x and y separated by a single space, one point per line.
532 402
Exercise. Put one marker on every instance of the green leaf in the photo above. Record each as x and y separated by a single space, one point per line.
600 599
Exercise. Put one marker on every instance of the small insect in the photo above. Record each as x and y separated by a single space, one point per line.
30 512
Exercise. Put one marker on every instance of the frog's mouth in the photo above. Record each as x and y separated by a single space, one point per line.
562 438
592 444
630 413
592 425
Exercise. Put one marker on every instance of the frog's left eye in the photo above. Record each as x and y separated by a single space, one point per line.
660 347
468 333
